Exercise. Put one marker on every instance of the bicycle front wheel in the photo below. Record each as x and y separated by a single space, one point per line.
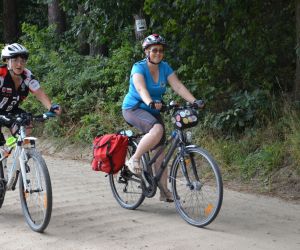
197 186
2 184
125 186
37 201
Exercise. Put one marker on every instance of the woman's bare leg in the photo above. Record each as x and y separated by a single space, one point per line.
149 140
163 182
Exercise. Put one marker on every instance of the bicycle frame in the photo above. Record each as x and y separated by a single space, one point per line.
197 188
177 142
34 183
19 156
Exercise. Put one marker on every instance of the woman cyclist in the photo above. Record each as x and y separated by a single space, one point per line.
16 82
142 104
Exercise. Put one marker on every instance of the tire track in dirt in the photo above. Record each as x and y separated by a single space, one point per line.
86 216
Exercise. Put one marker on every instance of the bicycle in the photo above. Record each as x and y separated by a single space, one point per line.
195 177
29 167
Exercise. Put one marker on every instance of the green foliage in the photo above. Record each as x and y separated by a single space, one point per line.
102 21
263 161
291 123
88 88
245 110
31 11
237 55
230 44
250 157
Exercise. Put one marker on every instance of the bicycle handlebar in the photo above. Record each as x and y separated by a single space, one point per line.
23 118
43 117
173 105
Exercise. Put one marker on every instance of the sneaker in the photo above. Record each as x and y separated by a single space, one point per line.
134 166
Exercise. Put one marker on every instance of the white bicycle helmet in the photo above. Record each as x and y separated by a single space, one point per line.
153 39
14 50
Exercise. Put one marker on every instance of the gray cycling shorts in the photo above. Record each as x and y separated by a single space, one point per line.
143 120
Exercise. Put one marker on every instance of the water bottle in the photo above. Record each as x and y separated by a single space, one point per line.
11 141
128 132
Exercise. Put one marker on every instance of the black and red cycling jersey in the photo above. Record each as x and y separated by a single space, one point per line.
10 97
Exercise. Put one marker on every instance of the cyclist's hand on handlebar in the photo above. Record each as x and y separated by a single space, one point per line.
199 104
155 105
55 108
4 120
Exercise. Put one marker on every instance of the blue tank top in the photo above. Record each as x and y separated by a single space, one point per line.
155 89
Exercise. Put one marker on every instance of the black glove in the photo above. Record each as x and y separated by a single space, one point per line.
199 104
54 107
26 119
152 104
4 120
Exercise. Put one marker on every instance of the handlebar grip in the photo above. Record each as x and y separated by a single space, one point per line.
199 104
49 114
54 107
4 119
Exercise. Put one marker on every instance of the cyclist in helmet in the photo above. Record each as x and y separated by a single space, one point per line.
141 106
16 82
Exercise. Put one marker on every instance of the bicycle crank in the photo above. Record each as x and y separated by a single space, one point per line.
149 185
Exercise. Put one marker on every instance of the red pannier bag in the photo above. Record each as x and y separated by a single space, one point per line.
109 153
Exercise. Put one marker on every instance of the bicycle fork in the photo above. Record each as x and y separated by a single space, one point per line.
25 170
23 159
186 163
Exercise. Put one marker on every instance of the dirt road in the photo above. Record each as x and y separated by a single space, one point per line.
86 216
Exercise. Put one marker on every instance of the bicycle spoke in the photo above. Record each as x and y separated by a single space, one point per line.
37 198
125 187
198 197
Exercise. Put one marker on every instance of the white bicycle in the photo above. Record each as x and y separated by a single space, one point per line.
29 167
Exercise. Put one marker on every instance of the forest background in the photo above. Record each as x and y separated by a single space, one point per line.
241 57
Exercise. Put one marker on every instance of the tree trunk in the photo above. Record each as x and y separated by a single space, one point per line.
57 16
140 26
99 50
297 76
10 21
84 47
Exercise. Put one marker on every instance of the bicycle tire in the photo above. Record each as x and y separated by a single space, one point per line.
198 203
37 203
125 186
2 185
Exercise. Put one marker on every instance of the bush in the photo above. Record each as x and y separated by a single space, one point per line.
89 89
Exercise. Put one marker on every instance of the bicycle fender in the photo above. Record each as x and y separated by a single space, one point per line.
192 146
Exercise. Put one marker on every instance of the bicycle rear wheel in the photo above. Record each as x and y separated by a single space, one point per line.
197 187
37 201
125 186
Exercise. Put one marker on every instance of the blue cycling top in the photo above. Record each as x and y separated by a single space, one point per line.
155 89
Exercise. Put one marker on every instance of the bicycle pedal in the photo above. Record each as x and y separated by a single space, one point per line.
120 180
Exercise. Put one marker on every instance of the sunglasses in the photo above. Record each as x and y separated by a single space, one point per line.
156 50
19 60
